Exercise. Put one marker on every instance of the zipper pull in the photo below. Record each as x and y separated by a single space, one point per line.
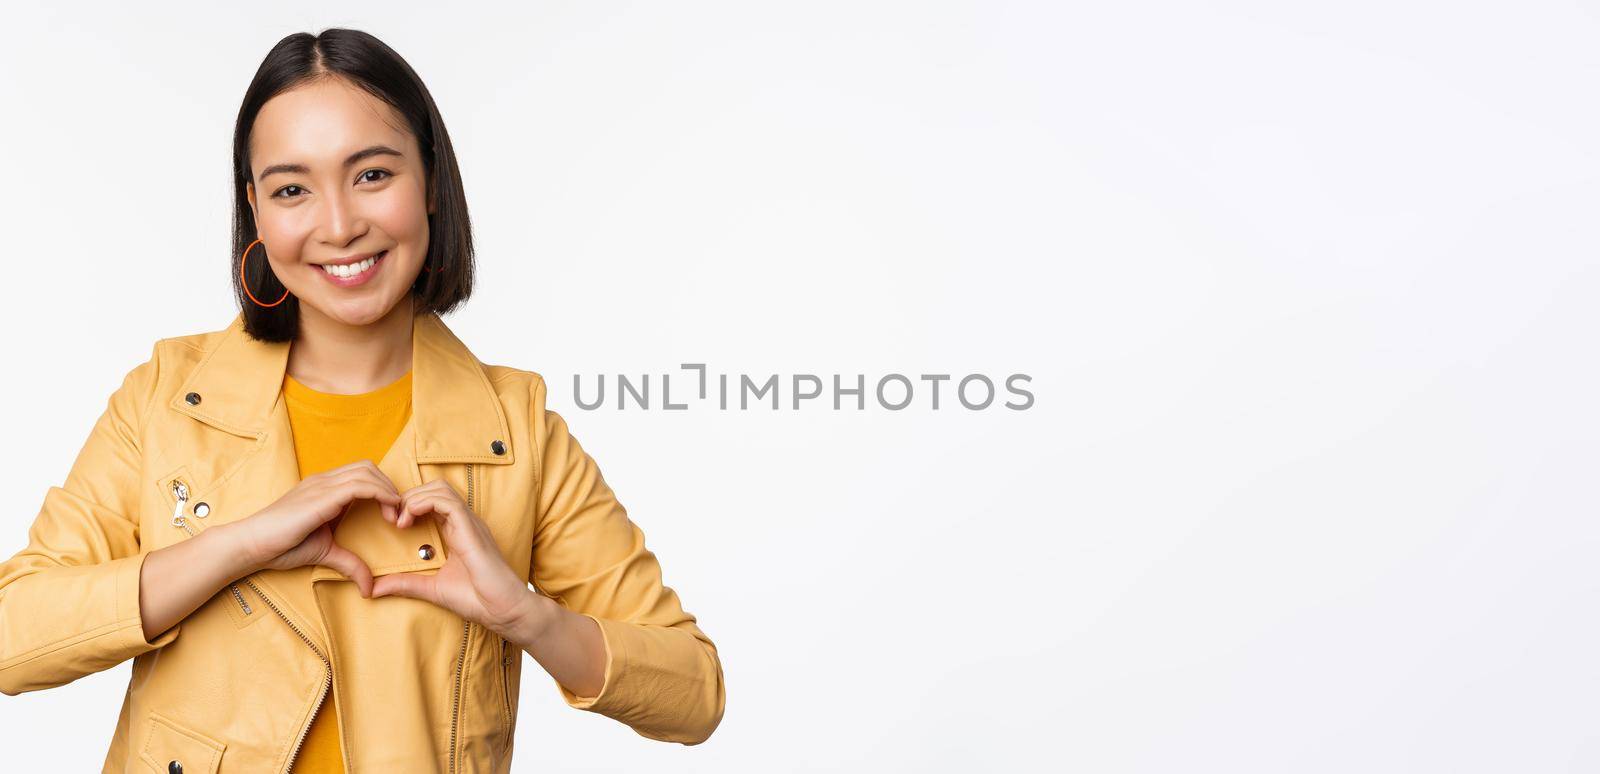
180 491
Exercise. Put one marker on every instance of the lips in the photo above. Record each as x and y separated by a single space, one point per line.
355 273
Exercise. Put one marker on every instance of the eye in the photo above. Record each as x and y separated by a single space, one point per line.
384 172
279 194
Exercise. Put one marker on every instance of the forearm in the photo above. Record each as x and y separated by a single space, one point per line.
179 578
568 645
664 681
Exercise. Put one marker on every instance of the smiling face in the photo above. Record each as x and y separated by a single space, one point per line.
340 200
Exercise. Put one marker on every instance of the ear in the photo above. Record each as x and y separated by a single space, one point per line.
250 194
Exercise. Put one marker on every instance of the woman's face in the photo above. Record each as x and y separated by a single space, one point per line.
338 180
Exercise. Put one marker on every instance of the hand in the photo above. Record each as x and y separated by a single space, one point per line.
474 582
297 529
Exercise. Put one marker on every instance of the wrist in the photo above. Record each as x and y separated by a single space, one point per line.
531 619
230 543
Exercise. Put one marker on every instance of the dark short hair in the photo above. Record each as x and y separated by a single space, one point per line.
371 65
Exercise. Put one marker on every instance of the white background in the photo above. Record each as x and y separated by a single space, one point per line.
1307 293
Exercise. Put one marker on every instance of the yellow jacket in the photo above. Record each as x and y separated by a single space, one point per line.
198 436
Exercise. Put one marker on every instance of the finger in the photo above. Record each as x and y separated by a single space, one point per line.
369 489
371 469
391 501
429 486
363 470
388 501
435 488
462 537
382 477
443 508
372 474
345 561
413 507
419 506
342 498
406 584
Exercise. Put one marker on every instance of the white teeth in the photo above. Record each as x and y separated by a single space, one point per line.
350 269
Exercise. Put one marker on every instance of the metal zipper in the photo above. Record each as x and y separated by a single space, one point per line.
327 666
234 587
455 706
505 685
461 658
181 492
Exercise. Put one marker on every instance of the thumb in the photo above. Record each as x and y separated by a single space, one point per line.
344 560
406 584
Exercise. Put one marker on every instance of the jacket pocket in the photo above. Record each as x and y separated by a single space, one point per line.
169 742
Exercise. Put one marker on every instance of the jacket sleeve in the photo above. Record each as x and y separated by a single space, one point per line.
69 600
663 677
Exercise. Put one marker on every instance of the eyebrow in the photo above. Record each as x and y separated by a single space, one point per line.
376 150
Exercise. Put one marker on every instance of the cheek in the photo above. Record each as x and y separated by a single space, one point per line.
404 217
284 231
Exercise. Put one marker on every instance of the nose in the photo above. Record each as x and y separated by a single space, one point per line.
342 219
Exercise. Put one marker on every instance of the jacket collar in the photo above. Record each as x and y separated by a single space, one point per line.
455 410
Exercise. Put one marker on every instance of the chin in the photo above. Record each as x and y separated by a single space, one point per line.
356 312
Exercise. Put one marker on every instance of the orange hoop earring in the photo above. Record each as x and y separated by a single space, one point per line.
245 283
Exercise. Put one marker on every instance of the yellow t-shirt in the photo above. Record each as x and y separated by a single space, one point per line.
331 430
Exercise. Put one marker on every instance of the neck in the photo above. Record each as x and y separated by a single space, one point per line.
331 356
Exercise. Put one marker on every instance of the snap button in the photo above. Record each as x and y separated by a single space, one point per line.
426 551
201 509
498 447
174 767
194 400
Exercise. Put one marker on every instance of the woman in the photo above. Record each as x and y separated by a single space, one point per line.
314 530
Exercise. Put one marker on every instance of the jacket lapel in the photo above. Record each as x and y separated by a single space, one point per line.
458 416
